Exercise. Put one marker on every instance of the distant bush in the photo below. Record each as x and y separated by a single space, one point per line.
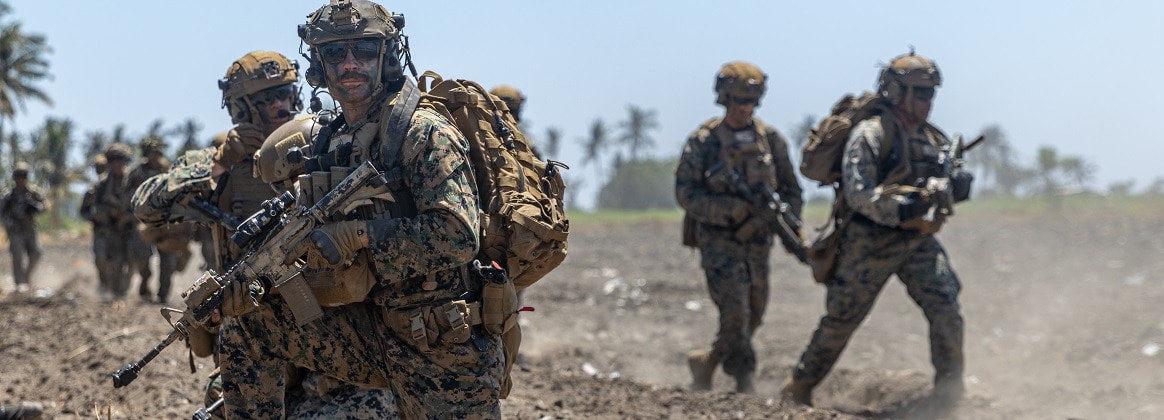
640 185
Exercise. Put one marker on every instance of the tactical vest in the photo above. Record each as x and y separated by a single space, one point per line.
748 152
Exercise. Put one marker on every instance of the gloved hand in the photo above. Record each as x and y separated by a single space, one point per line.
911 207
334 244
960 184
739 212
242 296
241 143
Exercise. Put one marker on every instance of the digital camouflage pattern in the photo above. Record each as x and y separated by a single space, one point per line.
414 337
18 210
873 248
737 271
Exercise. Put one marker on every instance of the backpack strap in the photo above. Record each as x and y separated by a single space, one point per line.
393 128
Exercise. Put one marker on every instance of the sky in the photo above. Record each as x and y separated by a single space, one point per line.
1082 76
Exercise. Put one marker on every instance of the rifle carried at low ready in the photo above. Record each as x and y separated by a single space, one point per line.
273 239
774 215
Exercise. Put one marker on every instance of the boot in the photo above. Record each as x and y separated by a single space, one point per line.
702 364
797 392
949 389
744 384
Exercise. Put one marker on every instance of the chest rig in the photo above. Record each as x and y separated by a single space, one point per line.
746 154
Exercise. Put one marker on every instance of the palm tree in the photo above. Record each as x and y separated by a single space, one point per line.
1048 165
1078 170
639 122
553 141
596 144
800 130
95 143
188 130
52 151
22 65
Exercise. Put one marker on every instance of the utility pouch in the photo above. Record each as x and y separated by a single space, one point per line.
428 326
499 302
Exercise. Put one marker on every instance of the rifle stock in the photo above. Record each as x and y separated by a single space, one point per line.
273 239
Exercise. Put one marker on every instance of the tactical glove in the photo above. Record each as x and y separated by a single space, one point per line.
335 243
911 207
740 210
960 184
241 297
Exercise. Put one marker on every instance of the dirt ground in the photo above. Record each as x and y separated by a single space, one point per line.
1063 321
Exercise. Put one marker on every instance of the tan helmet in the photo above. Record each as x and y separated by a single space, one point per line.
284 153
99 163
118 152
343 20
152 144
512 97
905 72
740 79
256 71
21 169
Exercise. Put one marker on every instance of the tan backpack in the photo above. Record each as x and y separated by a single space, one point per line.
821 157
523 217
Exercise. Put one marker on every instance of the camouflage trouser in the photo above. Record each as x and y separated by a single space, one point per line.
140 252
319 397
869 255
453 378
113 262
167 266
98 256
737 280
25 249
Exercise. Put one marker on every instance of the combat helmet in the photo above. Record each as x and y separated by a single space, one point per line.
152 144
512 97
343 20
21 169
254 72
283 156
739 80
905 72
118 152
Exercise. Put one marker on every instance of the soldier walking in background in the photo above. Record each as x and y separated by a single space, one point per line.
141 245
114 221
18 209
100 166
717 157
892 230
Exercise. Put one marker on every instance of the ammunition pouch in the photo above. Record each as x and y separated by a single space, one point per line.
425 327
499 302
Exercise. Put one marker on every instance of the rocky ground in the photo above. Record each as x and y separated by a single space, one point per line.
1063 321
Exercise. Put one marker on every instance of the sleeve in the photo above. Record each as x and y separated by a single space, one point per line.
445 232
693 194
860 177
86 210
788 186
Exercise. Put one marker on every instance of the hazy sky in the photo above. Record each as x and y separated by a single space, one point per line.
1083 76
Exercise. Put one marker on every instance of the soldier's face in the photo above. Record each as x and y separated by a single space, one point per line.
274 104
117 167
918 103
740 111
350 67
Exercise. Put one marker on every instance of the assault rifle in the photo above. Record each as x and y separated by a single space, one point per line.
937 190
774 213
272 240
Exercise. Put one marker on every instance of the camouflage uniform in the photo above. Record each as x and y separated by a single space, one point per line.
114 221
87 212
733 245
18 209
883 239
142 248
737 271
448 372
414 334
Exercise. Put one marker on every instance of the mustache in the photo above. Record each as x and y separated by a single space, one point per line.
350 75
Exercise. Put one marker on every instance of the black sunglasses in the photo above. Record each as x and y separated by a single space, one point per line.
337 52
924 93
270 95
745 101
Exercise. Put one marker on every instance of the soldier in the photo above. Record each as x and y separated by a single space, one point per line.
413 333
143 241
19 209
114 221
87 212
737 146
892 231
512 97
